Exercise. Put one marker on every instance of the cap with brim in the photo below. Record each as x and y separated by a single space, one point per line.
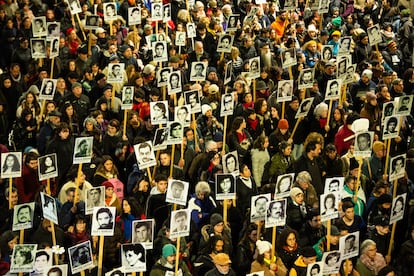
100 30
261 85
76 84
55 113
174 59
381 221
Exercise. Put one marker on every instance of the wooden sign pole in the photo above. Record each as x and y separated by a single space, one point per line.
10 192
100 257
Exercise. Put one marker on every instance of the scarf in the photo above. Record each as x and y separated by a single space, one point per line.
322 122
268 261
287 249
374 265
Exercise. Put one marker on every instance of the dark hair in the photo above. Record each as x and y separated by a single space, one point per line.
136 209
394 162
55 270
272 203
346 204
136 248
161 106
16 164
392 120
311 146
104 210
332 255
284 235
42 253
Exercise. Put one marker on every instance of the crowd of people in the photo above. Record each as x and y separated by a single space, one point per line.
270 93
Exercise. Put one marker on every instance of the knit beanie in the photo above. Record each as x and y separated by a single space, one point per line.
295 191
377 146
168 250
367 73
283 124
215 219
263 246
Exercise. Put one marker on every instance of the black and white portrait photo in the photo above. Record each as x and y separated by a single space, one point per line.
329 206
326 53
127 97
11 164
198 71
350 72
182 114
39 26
52 43
388 109
289 58
49 208
143 232
333 185
95 197
345 45
398 208
23 258
38 47
23 216
349 245
391 127
53 29
224 43
323 6
43 261
192 98
174 85
283 184
116 272
80 257
289 5
342 64
159 112
306 78
304 108
232 23
259 207
180 38
180 223
160 138
156 11
397 167
48 88
315 269
145 155
374 35
92 22
166 12
116 72
74 6
133 257
57 270
258 273
163 76
159 51
83 150
254 67
110 12
177 192
225 186
228 72
363 144
230 163
134 15
191 30
285 90
276 213
47 166
333 89
103 221
404 105
331 261
227 104
175 135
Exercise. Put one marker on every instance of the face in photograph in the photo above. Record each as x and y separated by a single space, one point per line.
159 112
307 77
128 95
254 66
332 259
225 185
83 149
38 47
142 232
94 196
232 22
41 262
398 208
180 220
364 142
404 104
177 188
174 80
11 163
159 50
145 153
283 185
182 114
231 163
260 206
48 89
327 53
285 90
135 14
350 244
166 12
110 10
104 218
157 11
225 42
228 102
80 256
176 130
23 256
53 29
24 214
164 75
192 100
276 210
391 125
134 255
334 185
333 88
345 44
198 70
39 25
49 206
398 165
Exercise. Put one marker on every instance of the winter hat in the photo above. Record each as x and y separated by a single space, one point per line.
381 221
263 246
377 146
391 44
107 184
308 252
338 33
367 73
384 198
222 259
337 21
312 28
205 108
99 76
218 137
353 163
213 89
283 124
370 96
168 250
148 69
295 191
76 84
335 231
216 219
